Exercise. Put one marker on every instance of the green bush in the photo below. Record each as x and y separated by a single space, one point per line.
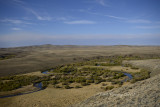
65 83
104 84
67 87
77 86
97 81
53 82
45 84
120 83
84 84
90 81
17 82
80 79
142 75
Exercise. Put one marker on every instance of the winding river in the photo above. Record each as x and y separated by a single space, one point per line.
128 75
39 85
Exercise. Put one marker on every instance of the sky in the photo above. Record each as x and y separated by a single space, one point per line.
79 22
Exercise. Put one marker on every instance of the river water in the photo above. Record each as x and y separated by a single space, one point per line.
39 85
45 72
128 75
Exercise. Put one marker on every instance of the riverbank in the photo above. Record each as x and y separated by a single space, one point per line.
53 97
20 91
38 86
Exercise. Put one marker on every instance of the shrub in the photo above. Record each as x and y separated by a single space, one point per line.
17 82
97 81
113 82
120 83
80 79
64 83
84 84
105 75
126 65
67 87
57 86
133 67
104 84
44 84
109 87
109 80
103 88
77 86
144 74
53 82
90 81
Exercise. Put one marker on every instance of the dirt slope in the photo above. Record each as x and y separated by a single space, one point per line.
144 93
141 94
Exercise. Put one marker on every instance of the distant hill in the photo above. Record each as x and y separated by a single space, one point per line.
41 57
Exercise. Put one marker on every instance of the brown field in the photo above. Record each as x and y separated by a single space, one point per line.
35 58
52 97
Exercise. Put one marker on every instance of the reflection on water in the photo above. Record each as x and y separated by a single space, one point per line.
45 72
38 85
128 75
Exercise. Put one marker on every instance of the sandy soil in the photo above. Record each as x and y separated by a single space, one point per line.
52 97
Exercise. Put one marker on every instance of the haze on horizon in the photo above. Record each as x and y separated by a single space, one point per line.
79 22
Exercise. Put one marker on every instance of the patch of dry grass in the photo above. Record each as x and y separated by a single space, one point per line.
52 97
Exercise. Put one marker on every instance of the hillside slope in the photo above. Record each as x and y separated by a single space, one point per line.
141 94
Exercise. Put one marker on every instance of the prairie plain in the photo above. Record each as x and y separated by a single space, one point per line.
35 58
103 62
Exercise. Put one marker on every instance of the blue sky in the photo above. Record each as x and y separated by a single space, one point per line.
79 22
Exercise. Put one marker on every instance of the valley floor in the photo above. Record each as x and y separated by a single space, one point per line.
32 60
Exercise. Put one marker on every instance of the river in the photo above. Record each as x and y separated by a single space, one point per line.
39 85
128 75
